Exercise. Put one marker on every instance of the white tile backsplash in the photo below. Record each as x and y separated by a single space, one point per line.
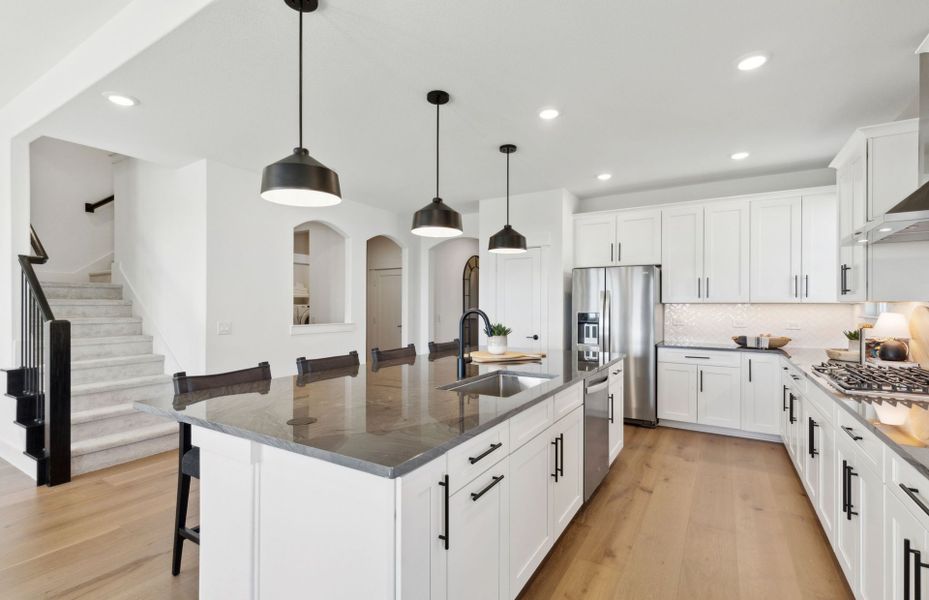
808 325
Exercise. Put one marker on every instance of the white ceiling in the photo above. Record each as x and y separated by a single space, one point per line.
36 35
648 90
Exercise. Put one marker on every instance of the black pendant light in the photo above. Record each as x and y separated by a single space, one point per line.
437 219
507 240
299 179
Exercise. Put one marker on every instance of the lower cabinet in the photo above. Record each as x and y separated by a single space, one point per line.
546 491
718 391
477 565
819 467
617 383
761 397
906 542
859 542
677 392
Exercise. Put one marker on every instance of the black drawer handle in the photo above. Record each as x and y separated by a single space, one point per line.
911 492
476 495
493 447
700 357
445 537
555 474
611 408
850 431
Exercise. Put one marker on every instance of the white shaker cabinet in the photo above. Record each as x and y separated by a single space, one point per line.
859 542
478 525
851 188
628 237
819 247
617 383
568 487
718 396
682 254
776 247
904 535
893 170
726 252
677 392
761 392
532 469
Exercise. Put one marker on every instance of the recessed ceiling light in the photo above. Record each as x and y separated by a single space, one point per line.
604 176
548 114
752 61
885 229
739 156
120 99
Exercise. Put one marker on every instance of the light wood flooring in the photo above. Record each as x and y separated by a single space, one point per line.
681 515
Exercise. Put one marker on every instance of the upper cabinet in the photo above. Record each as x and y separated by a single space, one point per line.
628 237
794 249
705 253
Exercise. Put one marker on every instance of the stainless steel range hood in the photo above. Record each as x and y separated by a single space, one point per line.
908 221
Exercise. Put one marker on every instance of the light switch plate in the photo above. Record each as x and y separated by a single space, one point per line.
792 326
223 327
738 324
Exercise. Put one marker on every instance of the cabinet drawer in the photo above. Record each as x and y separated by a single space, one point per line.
900 474
616 374
700 357
821 400
569 399
468 460
795 378
531 422
869 446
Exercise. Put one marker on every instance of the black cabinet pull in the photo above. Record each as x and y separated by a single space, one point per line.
911 492
619 252
561 452
844 279
611 408
707 287
555 474
784 401
474 459
848 477
806 280
796 288
850 431
611 251
919 564
476 495
699 288
749 370
906 568
845 489
701 380
700 357
445 537
812 436
793 419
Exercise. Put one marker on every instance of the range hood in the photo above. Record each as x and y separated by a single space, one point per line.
908 221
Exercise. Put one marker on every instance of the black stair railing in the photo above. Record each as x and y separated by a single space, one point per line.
44 378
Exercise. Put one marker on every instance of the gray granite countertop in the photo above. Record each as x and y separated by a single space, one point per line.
899 438
386 421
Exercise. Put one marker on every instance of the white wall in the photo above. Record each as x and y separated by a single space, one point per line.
63 176
712 189
249 279
160 255
545 219
446 264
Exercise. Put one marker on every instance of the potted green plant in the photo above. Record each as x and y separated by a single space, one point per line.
496 338
853 337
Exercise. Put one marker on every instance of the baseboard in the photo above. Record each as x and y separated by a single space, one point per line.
764 437
15 457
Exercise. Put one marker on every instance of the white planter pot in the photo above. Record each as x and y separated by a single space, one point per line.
496 344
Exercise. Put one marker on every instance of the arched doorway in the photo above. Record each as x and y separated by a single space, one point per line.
470 298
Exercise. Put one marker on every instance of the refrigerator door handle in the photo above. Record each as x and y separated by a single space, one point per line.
699 287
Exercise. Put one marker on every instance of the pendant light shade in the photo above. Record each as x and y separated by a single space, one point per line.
507 240
299 179
437 219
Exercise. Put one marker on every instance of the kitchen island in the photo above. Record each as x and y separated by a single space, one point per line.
384 483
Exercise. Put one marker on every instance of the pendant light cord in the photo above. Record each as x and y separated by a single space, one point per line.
300 95
437 106
508 188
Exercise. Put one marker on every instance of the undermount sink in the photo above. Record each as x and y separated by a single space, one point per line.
501 384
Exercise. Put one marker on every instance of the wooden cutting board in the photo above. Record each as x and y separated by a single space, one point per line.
919 330
481 356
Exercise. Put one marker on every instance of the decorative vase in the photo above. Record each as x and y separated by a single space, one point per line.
496 344
854 345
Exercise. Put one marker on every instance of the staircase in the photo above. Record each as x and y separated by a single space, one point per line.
112 366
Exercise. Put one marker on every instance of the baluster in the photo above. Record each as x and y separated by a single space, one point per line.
22 321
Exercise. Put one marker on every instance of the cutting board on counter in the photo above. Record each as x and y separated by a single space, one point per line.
481 356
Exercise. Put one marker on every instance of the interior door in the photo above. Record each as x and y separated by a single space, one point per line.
820 245
519 304
775 254
726 252
389 311
682 254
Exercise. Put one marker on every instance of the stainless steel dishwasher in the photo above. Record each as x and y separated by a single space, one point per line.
596 431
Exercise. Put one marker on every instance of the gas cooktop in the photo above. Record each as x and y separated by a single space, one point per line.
873 380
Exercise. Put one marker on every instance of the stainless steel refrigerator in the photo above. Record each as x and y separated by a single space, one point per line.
618 309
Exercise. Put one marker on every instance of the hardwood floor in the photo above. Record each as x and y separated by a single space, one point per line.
681 515
692 515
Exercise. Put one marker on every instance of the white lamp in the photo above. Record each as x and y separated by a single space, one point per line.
891 326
